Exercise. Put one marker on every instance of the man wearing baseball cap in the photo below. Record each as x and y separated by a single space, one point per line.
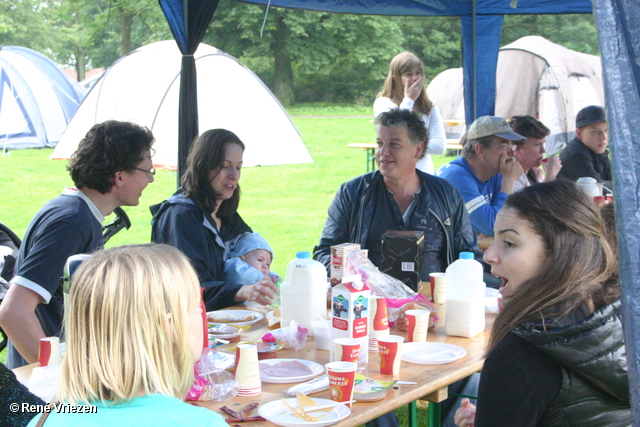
486 171
587 154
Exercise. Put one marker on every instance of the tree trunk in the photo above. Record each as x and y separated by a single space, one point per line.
80 63
126 19
283 79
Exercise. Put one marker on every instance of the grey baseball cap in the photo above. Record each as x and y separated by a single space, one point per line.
590 114
491 125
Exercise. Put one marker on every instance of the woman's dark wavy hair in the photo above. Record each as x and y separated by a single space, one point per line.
579 267
207 154
108 148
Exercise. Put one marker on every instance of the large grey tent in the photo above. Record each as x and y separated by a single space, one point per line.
534 77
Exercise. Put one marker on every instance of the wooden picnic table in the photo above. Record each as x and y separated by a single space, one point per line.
432 380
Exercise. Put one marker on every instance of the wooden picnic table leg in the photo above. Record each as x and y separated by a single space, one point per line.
434 400
371 159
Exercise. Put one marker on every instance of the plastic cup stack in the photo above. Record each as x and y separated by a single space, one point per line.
247 370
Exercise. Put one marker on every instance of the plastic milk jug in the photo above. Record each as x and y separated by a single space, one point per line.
303 294
590 186
465 297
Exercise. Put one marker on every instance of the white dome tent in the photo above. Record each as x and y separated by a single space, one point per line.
143 87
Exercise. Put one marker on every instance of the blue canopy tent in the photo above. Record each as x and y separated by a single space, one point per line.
188 20
481 22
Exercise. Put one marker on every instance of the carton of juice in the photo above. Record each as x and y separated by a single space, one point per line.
339 260
350 313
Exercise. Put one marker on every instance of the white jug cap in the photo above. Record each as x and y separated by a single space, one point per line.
355 279
586 180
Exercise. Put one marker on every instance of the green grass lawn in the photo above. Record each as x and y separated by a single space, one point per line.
287 204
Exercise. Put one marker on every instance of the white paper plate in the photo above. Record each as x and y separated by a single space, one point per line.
315 367
431 353
275 410
239 314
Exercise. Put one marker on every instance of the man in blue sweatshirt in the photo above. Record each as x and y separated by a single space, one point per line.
486 171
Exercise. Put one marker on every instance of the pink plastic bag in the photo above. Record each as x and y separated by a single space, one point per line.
399 296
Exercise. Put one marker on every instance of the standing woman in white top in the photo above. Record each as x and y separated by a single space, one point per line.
404 88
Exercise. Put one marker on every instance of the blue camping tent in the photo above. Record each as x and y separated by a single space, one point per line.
37 99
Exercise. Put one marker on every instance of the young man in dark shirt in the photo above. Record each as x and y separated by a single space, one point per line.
110 168
587 155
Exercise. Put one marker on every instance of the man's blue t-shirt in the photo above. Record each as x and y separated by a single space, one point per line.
483 200
68 225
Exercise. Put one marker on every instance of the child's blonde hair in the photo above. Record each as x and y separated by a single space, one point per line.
127 329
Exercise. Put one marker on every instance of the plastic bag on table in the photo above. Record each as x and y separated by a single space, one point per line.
293 336
400 297
211 381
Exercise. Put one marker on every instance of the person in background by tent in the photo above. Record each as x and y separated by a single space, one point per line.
486 171
530 152
110 168
404 88
587 155
201 218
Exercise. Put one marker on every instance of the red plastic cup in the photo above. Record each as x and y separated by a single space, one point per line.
346 349
389 349
417 325
438 282
49 351
342 376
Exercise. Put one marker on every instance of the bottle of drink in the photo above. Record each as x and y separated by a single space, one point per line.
465 297
303 293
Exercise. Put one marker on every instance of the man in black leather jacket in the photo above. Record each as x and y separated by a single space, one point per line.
400 197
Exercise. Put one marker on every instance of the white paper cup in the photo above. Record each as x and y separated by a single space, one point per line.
417 325
321 334
390 350
346 349
247 370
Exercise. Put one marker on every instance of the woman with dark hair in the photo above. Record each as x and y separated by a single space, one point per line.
557 353
404 88
201 218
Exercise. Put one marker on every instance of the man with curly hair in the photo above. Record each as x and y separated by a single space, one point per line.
110 168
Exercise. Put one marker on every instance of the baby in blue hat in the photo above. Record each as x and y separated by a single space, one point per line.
250 261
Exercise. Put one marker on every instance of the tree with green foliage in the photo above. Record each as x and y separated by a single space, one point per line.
303 56
298 52
576 32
